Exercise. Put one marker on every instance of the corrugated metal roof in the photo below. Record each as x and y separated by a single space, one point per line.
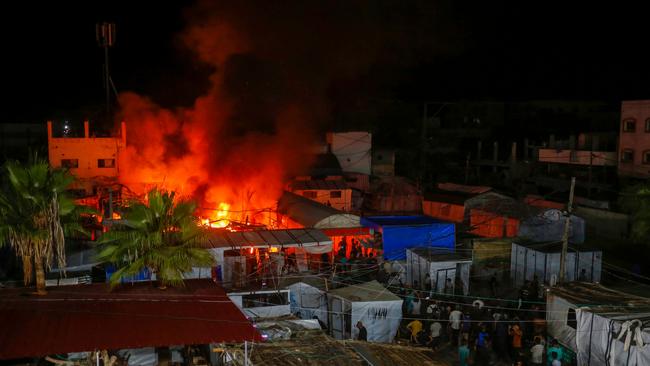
88 317
265 238
600 298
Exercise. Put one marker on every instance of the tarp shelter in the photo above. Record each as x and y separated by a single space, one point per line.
491 256
590 319
440 265
375 306
548 225
307 296
262 304
543 260
401 232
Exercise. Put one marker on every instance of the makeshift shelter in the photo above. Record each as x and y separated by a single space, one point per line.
401 232
548 225
307 296
490 256
330 192
247 256
375 306
447 206
543 260
441 265
262 303
600 326
392 194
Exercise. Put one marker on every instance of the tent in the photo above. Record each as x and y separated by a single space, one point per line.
307 296
401 232
543 260
261 304
594 323
440 265
549 224
376 307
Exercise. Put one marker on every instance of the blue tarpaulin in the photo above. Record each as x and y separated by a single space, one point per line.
401 232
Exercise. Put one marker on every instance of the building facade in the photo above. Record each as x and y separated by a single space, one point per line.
634 140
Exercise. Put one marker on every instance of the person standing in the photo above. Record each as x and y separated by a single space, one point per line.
554 359
516 333
482 353
363 332
454 323
554 348
435 329
494 284
463 354
537 353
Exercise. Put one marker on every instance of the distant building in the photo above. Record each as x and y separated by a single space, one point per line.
330 192
92 160
352 149
634 141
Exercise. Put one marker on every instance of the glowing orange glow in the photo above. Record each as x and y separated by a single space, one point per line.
251 250
273 250
116 216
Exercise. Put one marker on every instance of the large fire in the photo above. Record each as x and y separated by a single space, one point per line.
208 152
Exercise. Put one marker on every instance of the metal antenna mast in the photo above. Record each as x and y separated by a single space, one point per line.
105 33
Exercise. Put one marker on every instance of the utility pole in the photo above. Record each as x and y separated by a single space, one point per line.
565 237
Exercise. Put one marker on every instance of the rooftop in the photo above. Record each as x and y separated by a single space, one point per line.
368 291
601 299
418 220
88 317
220 238
553 246
440 255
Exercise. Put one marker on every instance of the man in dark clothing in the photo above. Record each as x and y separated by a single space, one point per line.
363 333
493 285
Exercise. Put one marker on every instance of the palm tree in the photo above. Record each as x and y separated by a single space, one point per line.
161 235
32 204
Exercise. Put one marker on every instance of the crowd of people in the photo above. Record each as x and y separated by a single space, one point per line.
498 333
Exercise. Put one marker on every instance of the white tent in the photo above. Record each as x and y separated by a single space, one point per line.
440 265
261 304
602 326
375 306
307 297
543 260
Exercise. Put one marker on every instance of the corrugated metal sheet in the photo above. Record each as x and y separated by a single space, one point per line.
265 238
88 317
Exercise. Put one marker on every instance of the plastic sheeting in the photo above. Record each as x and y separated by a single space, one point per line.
381 319
140 356
549 226
309 301
597 343
401 232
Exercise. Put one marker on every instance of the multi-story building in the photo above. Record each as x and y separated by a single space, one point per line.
92 160
634 140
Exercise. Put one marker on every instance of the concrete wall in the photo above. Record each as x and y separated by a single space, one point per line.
577 157
603 223
638 140
324 196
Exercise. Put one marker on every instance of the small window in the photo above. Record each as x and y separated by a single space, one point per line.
647 125
571 319
646 157
629 125
627 156
335 194
309 194
106 163
70 163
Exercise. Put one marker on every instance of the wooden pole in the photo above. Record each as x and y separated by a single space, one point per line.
565 237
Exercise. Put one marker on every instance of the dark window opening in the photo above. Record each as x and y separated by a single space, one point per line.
647 125
646 157
309 194
627 156
571 319
70 163
106 163
629 125
335 194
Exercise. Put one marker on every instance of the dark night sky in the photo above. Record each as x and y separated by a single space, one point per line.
417 50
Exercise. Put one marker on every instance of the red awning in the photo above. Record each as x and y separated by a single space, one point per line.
346 231
89 317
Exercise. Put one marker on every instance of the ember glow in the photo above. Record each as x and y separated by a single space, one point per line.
208 152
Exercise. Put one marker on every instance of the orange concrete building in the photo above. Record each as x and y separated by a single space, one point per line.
634 140
92 160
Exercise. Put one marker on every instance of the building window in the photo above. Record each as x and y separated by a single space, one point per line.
70 163
571 319
646 157
647 125
627 156
309 194
106 163
629 125
335 194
